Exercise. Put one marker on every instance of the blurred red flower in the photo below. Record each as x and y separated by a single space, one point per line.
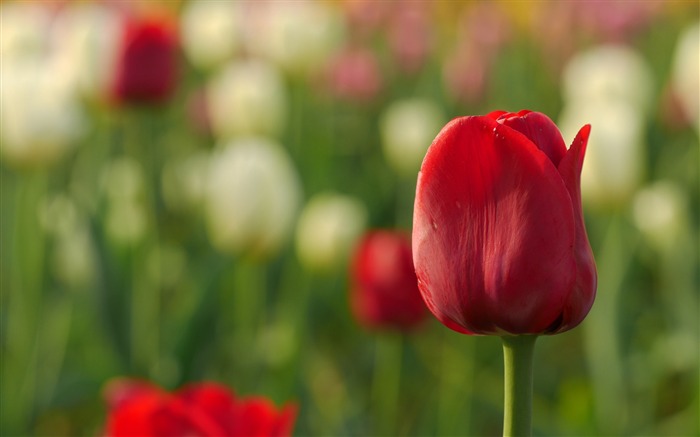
384 291
499 241
146 67
139 408
354 74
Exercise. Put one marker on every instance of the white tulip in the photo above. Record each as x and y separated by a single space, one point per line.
247 98
615 156
299 36
40 114
608 73
328 228
123 184
407 129
23 28
660 211
211 31
73 257
87 37
686 73
126 221
252 197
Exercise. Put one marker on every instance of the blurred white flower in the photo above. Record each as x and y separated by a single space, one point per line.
328 228
40 114
58 214
73 257
23 27
87 37
253 193
685 78
123 186
184 181
407 129
247 98
615 156
608 73
660 211
126 221
299 36
211 31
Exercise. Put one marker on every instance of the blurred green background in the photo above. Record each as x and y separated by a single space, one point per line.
175 241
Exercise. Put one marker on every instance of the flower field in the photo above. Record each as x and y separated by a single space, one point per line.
208 206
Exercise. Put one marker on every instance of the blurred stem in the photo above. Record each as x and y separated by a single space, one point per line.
456 374
601 338
24 305
517 367
249 291
386 382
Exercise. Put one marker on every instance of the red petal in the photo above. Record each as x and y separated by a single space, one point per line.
258 417
493 230
580 300
212 400
539 129
133 418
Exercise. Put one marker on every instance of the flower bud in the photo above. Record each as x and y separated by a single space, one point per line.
146 69
608 73
40 114
87 37
211 31
616 151
499 242
252 196
660 211
685 76
298 36
327 230
407 127
384 291
247 98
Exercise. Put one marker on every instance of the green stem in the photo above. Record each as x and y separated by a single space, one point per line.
517 366
386 383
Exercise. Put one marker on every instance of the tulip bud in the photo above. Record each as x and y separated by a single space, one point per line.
685 76
40 114
298 36
23 30
608 73
354 74
146 70
384 291
88 37
126 221
407 127
247 98
660 211
211 31
615 155
252 196
327 230
499 243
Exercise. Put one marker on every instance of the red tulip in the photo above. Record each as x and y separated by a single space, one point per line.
147 62
499 242
385 292
141 409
